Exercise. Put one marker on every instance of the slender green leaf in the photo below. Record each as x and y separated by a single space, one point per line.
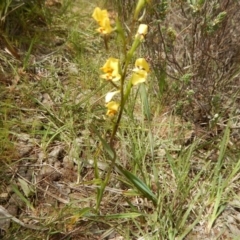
20 195
25 187
218 207
144 97
224 144
83 212
123 215
139 184
106 146
100 191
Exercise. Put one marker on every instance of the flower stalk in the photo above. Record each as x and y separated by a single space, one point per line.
116 75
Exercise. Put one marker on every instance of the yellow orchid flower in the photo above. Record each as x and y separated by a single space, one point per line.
101 16
141 63
105 27
110 95
111 70
139 76
112 108
142 31
140 71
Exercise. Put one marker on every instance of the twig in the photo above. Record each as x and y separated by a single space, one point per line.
4 212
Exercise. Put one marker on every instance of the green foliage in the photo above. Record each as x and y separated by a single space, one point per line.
161 8
138 184
216 23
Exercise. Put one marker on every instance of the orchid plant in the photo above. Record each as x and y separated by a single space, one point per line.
115 72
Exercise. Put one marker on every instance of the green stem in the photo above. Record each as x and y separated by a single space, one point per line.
129 56
105 37
115 85
116 125
124 98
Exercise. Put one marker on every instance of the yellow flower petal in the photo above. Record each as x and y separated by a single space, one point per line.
141 63
139 76
111 70
112 108
142 31
110 65
101 16
105 27
110 95
111 77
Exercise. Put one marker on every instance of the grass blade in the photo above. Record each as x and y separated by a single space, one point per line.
20 195
139 184
145 102
123 215
110 151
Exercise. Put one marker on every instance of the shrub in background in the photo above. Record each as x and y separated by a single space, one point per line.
193 48
19 21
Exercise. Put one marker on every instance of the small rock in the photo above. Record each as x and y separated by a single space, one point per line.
46 100
57 165
68 163
3 197
73 70
55 152
41 157
46 169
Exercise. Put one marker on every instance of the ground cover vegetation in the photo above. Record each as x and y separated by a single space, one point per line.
119 119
